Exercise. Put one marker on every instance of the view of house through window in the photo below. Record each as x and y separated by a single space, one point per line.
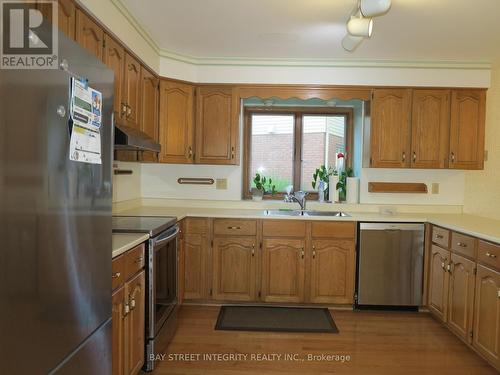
274 139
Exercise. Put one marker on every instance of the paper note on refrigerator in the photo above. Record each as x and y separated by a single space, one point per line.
86 115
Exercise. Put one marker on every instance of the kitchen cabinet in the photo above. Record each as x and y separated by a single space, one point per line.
114 58
234 268
176 122
128 312
196 259
149 110
217 125
467 129
461 296
131 98
66 16
430 128
332 271
438 282
283 264
390 128
486 339
89 34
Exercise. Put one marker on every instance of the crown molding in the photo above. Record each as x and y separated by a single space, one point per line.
294 62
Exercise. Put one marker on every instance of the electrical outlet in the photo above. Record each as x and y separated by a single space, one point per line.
221 183
435 188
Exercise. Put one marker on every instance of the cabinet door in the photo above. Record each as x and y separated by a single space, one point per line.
89 34
195 258
234 270
467 129
114 57
283 270
390 128
486 338
332 271
216 126
66 15
149 110
176 122
135 324
430 128
438 282
461 296
118 340
131 90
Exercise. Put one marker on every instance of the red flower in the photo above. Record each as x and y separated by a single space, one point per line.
340 155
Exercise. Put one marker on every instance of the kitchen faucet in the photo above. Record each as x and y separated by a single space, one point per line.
299 197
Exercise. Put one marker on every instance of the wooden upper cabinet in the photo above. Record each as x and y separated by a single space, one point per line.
149 110
134 324
430 128
217 124
486 338
176 122
461 296
89 34
66 16
283 270
438 282
114 57
467 129
234 268
332 271
391 128
131 97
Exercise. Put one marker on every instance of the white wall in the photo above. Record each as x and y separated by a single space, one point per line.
127 186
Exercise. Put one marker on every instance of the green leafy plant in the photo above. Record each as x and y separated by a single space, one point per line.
264 184
321 174
341 185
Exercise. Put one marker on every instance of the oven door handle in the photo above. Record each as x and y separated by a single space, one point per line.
167 237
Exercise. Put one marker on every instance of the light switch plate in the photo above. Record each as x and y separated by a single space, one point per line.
221 183
435 188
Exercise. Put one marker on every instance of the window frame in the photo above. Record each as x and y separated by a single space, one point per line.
298 113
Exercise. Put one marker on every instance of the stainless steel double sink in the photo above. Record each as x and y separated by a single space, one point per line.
305 213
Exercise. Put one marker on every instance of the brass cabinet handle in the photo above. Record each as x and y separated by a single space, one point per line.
404 156
414 156
232 152
452 157
132 304
448 267
491 255
443 266
124 109
126 309
129 110
190 152
439 236
116 275
139 260
461 244
314 252
253 249
302 253
233 227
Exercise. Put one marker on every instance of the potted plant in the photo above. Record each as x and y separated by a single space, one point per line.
320 178
263 185
341 185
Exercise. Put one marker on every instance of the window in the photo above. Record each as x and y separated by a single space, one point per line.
288 144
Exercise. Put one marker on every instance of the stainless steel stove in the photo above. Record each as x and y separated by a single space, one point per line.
161 279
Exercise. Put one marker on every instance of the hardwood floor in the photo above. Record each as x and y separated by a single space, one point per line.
377 343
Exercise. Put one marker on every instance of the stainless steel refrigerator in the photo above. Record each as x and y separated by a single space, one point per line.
55 225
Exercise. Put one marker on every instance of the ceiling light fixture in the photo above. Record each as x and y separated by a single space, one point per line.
373 8
360 26
350 42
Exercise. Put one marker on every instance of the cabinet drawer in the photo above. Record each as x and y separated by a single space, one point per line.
462 244
325 229
489 254
441 237
284 228
195 226
236 227
118 271
134 261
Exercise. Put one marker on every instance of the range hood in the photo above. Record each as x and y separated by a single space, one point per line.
127 138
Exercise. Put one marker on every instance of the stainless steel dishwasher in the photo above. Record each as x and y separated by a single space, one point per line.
390 266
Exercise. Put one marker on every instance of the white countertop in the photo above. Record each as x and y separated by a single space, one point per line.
485 228
123 242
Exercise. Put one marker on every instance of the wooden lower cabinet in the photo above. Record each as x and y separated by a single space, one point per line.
134 324
283 264
195 258
438 282
486 339
332 271
234 268
118 341
461 296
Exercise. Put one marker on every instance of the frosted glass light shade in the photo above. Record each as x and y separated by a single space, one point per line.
350 42
372 8
359 26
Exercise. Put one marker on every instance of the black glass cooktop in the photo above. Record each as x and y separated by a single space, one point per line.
142 224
